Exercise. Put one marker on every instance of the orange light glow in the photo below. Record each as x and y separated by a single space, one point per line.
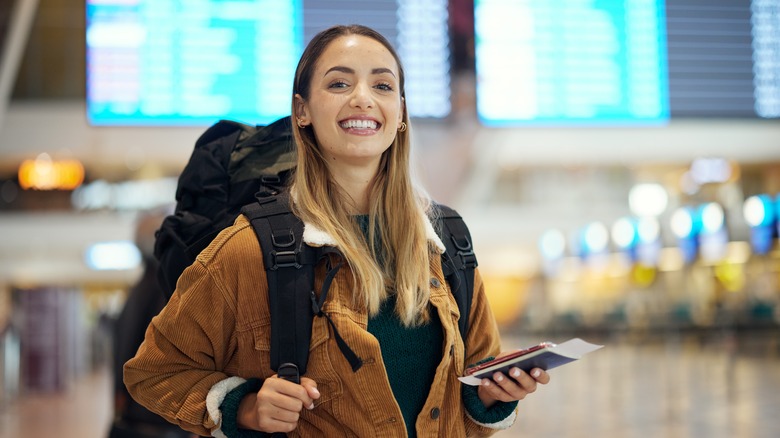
45 174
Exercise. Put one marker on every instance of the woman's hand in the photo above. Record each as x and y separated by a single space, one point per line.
516 386
277 406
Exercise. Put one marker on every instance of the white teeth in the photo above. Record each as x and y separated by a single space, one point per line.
358 124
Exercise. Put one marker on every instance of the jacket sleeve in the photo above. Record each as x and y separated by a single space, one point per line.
185 348
483 341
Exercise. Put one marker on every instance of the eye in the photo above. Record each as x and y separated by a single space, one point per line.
338 84
384 86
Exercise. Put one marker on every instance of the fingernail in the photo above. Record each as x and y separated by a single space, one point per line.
536 373
311 406
486 382
316 391
516 372
499 378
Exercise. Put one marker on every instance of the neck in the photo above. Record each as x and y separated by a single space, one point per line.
355 182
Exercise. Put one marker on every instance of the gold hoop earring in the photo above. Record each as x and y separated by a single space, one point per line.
402 127
300 123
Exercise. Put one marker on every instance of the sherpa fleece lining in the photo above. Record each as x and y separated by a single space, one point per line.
316 237
506 423
214 399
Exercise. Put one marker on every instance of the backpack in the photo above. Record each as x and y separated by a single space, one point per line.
230 162
242 169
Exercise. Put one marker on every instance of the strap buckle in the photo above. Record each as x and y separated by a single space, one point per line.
285 259
465 252
289 371
270 179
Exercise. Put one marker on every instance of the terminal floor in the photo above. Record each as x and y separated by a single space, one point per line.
713 385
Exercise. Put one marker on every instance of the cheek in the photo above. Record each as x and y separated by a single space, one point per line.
322 137
324 105
323 119
328 138
399 112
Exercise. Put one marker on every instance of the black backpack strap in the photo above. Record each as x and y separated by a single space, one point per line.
289 265
458 262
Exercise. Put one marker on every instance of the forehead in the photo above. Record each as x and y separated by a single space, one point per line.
356 51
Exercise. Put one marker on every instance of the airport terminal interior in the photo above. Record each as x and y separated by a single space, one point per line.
617 163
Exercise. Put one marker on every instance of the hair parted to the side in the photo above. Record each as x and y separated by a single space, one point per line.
396 207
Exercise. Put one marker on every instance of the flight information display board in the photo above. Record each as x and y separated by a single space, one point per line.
593 62
570 61
192 62
724 58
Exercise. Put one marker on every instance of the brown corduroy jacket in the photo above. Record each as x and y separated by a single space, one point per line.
214 334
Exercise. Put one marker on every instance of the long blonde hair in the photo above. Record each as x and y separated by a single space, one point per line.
396 208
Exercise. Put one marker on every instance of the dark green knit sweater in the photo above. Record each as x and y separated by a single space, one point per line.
410 355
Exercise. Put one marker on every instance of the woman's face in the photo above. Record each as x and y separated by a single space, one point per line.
355 104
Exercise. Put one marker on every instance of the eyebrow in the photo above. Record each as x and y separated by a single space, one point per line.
376 71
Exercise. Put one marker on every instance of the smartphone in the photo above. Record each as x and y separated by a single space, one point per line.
505 362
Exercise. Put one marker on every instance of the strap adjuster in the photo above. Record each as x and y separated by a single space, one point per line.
270 179
465 252
468 259
285 259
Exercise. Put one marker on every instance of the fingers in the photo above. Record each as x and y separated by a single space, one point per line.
271 425
540 375
285 414
297 393
311 389
279 403
502 388
506 389
494 392
276 411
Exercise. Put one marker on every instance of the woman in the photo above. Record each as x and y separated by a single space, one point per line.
204 363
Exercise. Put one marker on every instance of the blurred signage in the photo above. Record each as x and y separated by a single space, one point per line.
118 255
127 195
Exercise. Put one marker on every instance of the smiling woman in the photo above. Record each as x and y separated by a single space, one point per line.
205 363
354 107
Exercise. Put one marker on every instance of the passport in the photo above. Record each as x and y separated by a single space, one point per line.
545 355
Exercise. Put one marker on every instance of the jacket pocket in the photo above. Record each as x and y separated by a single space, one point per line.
319 367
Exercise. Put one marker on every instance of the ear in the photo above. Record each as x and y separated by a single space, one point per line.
301 112
403 110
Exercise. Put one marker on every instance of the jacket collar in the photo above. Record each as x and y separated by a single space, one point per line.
313 236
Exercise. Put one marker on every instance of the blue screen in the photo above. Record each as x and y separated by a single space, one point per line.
185 62
573 62
596 62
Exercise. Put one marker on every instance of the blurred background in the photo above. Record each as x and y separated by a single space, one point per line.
617 161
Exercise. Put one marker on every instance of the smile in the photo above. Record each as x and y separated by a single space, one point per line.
359 124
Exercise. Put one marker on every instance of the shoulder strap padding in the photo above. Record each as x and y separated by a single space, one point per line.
289 266
458 262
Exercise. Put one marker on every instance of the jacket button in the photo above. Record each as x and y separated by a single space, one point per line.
435 282
435 413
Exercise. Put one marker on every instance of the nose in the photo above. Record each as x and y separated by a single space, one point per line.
361 97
